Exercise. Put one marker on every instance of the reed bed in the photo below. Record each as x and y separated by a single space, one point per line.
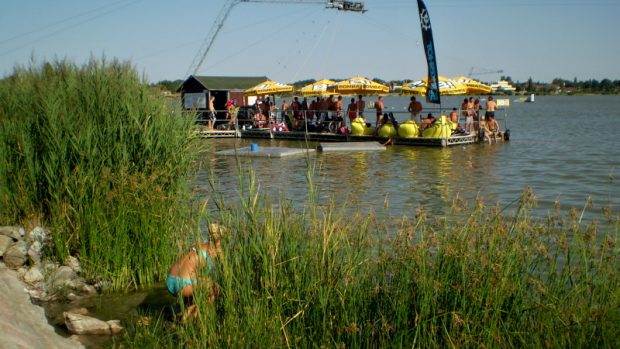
92 153
471 278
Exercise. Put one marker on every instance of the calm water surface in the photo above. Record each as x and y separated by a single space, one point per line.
565 148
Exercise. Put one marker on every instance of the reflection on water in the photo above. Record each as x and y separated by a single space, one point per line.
550 150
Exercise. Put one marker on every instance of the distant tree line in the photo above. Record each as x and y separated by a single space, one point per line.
168 85
564 86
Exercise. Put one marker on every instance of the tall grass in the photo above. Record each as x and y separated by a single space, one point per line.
92 153
471 278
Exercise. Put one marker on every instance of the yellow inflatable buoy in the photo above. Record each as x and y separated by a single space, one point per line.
369 131
387 131
408 129
440 129
357 129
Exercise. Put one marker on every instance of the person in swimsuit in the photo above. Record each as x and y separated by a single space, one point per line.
415 108
185 274
352 110
361 105
211 123
492 131
491 106
379 110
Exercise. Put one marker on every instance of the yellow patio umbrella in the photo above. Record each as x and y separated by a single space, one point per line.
357 86
473 87
318 88
268 88
447 87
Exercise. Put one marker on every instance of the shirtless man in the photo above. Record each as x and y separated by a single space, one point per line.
361 105
211 122
266 106
491 129
352 110
469 114
323 108
427 122
415 108
331 104
491 106
284 110
379 109
338 106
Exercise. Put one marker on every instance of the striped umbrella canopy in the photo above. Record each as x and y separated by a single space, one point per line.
474 87
318 88
268 88
447 87
358 86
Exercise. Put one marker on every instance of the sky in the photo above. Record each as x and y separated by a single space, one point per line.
292 40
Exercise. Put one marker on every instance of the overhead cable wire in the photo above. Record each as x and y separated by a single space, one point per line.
308 56
292 21
53 24
48 35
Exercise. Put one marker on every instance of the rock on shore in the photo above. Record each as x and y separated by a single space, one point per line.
23 324
25 276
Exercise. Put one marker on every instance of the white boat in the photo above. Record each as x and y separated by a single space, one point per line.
503 86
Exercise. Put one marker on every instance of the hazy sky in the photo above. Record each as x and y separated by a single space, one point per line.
541 39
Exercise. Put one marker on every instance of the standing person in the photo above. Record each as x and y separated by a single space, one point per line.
338 107
229 105
490 107
284 109
338 111
272 112
266 107
464 107
361 105
469 114
352 110
312 109
470 107
415 108
477 114
323 108
304 109
297 115
331 105
379 109
211 116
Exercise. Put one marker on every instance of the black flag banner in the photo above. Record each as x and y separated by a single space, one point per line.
432 86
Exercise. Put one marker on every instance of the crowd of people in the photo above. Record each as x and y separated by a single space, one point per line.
314 114
328 113
470 109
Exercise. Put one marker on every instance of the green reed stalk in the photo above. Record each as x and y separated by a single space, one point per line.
321 278
93 154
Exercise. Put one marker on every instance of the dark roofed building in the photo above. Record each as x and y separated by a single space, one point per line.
228 83
195 91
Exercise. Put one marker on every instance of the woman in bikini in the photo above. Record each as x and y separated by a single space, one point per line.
186 275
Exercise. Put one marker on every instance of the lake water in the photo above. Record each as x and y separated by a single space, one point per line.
566 148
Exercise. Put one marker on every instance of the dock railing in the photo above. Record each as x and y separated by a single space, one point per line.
330 121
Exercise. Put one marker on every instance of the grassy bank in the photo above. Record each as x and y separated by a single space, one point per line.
471 278
91 153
